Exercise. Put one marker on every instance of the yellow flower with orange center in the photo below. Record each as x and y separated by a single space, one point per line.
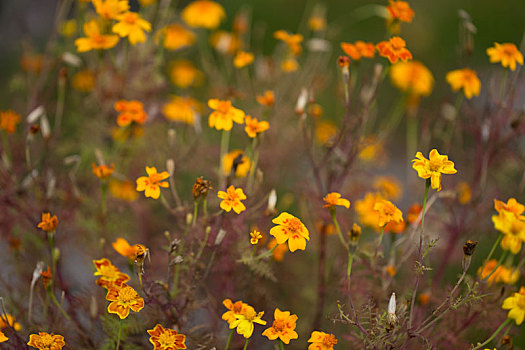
412 77
359 49
321 341
122 247
124 190
94 40
433 167
176 37
290 229
516 304
83 81
293 41
236 160
166 339
513 230
3 338
123 298
110 9
184 74
465 79
244 322
242 59
234 309
49 223
182 109
394 49
46 341
130 112
506 53
231 199
152 183
255 236
400 11
388 186
267 99
132 26
9 120
7 320
203 14
332 199
224 115
388 212
283 327
109 274
254 127
103 171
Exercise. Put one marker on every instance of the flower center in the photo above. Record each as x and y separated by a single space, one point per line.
279 325
130 18
224 106
434 164
329 340
127 294
109 271
293 225
46 340
166 339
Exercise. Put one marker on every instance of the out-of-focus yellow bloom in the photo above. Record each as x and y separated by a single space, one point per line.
465 79
122 247
513 230
464 192
165 338
293 41
412 77
49 223
123 298
130 25
234 309
433 167
124 190
279 251
110 9
394 49
68 28
152 183
231 199
83 81
109 274
103 171
225 42
506 53
182 109
516 305
130 112
512 206
242 59
9 120
244 321
359 49
267 99
388 212
224 114
391 270
3 338
388 186
371 150
10 322
321 341
317 23
31 63
254 127
413 213
326 132
283 327
46 341
289 65
94 40
184 74
176 37
291 229
368 216
333 199
501 274
242 163
203 14
255 236
400 11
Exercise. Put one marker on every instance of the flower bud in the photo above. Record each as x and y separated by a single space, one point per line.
391 318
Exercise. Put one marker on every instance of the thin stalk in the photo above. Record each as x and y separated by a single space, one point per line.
195 212
203 245
54 299
246 343
225 141
253 164
505 323
503 82
205 207
119 334
500 237
266 253
281 344
380 238
61 98
229 340
337 228
51 241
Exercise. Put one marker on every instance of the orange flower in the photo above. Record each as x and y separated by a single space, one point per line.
83 81
177 37
110 9
109 274
268 99
279 251
203 14
130 25
512 206
289 65
124 190
182 109
7 320
321 341
506 53
46 276
359 49
3 338
332 199
388 186
465 79
242 59
238 160
366 212
130 111
9 120
151 184
166 339
400 10
433 167
464 193
292 40
291 229
388 212
231 199
254 127
391 270
103 171
123 248
224 115
394 49
94 40
317 23
46 341
412 77
413 213
123 298
424 298
184 74
283 327
234 309
49 223
255 237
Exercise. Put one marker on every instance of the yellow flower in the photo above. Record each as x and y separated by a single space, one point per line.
182 109
103 171
110 9
516 305
465 79
412 77
68 28
109 274
371 149
512 228
512 206
225 42
224 115
184 74
124 248
394 49
46 341
293 41
9 120
242 59
317 23
326 132
177 37
124 190
400 10
332 199
244 321
203 14
321 341
254 127
132 26
166 339
10 322
49 223
255 237
123 298
267 99
388 212
283 327
231 199
464 192
433 167
279 251
238 160
359 49
289 65
130 111
366 212
3 338
391 270
506 53
291 229
94 40
388 186
234 309
83 81
151 184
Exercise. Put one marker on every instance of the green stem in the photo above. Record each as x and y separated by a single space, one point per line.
505 323
281 344
350 261
195 211
225 141
427 186
266 253
229 340
380 238
246 344
205 207
500 237
253 164
51 240
55 301
119 334
337 228
503 81
203 245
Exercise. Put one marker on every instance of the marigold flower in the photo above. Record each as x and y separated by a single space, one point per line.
184 74
395 227
332 199
49 223
516 305
388 186
255 236
203 14
234 309
433 167
238 160
132 26
465 79
152 183
512 206
488 268
267 99
506 53
123 298
83 81
201 188
413 213
3 338
254 127
124 190
122 247
110 9
46 341
372 149
400 10
388 212
244 321
359 49
321 341
103 171
423 298
394 49
289 65
130 111
224 115
166 339
9 120
46 276
182 109
231 199
412 77
8 320
283 327
317 23
293 41
355 232
279 251
109 274
366 212
176 37
464 192
513 229
94 40
291 229
242 59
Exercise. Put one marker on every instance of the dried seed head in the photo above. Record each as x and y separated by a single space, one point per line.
201 188
355 232
469 247
343 62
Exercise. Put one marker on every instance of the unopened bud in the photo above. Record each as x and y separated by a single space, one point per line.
93 307
272 201
170 166
391 318
468 250
355 233
344 63
220 236
56 254
171 137
301 101
189 218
